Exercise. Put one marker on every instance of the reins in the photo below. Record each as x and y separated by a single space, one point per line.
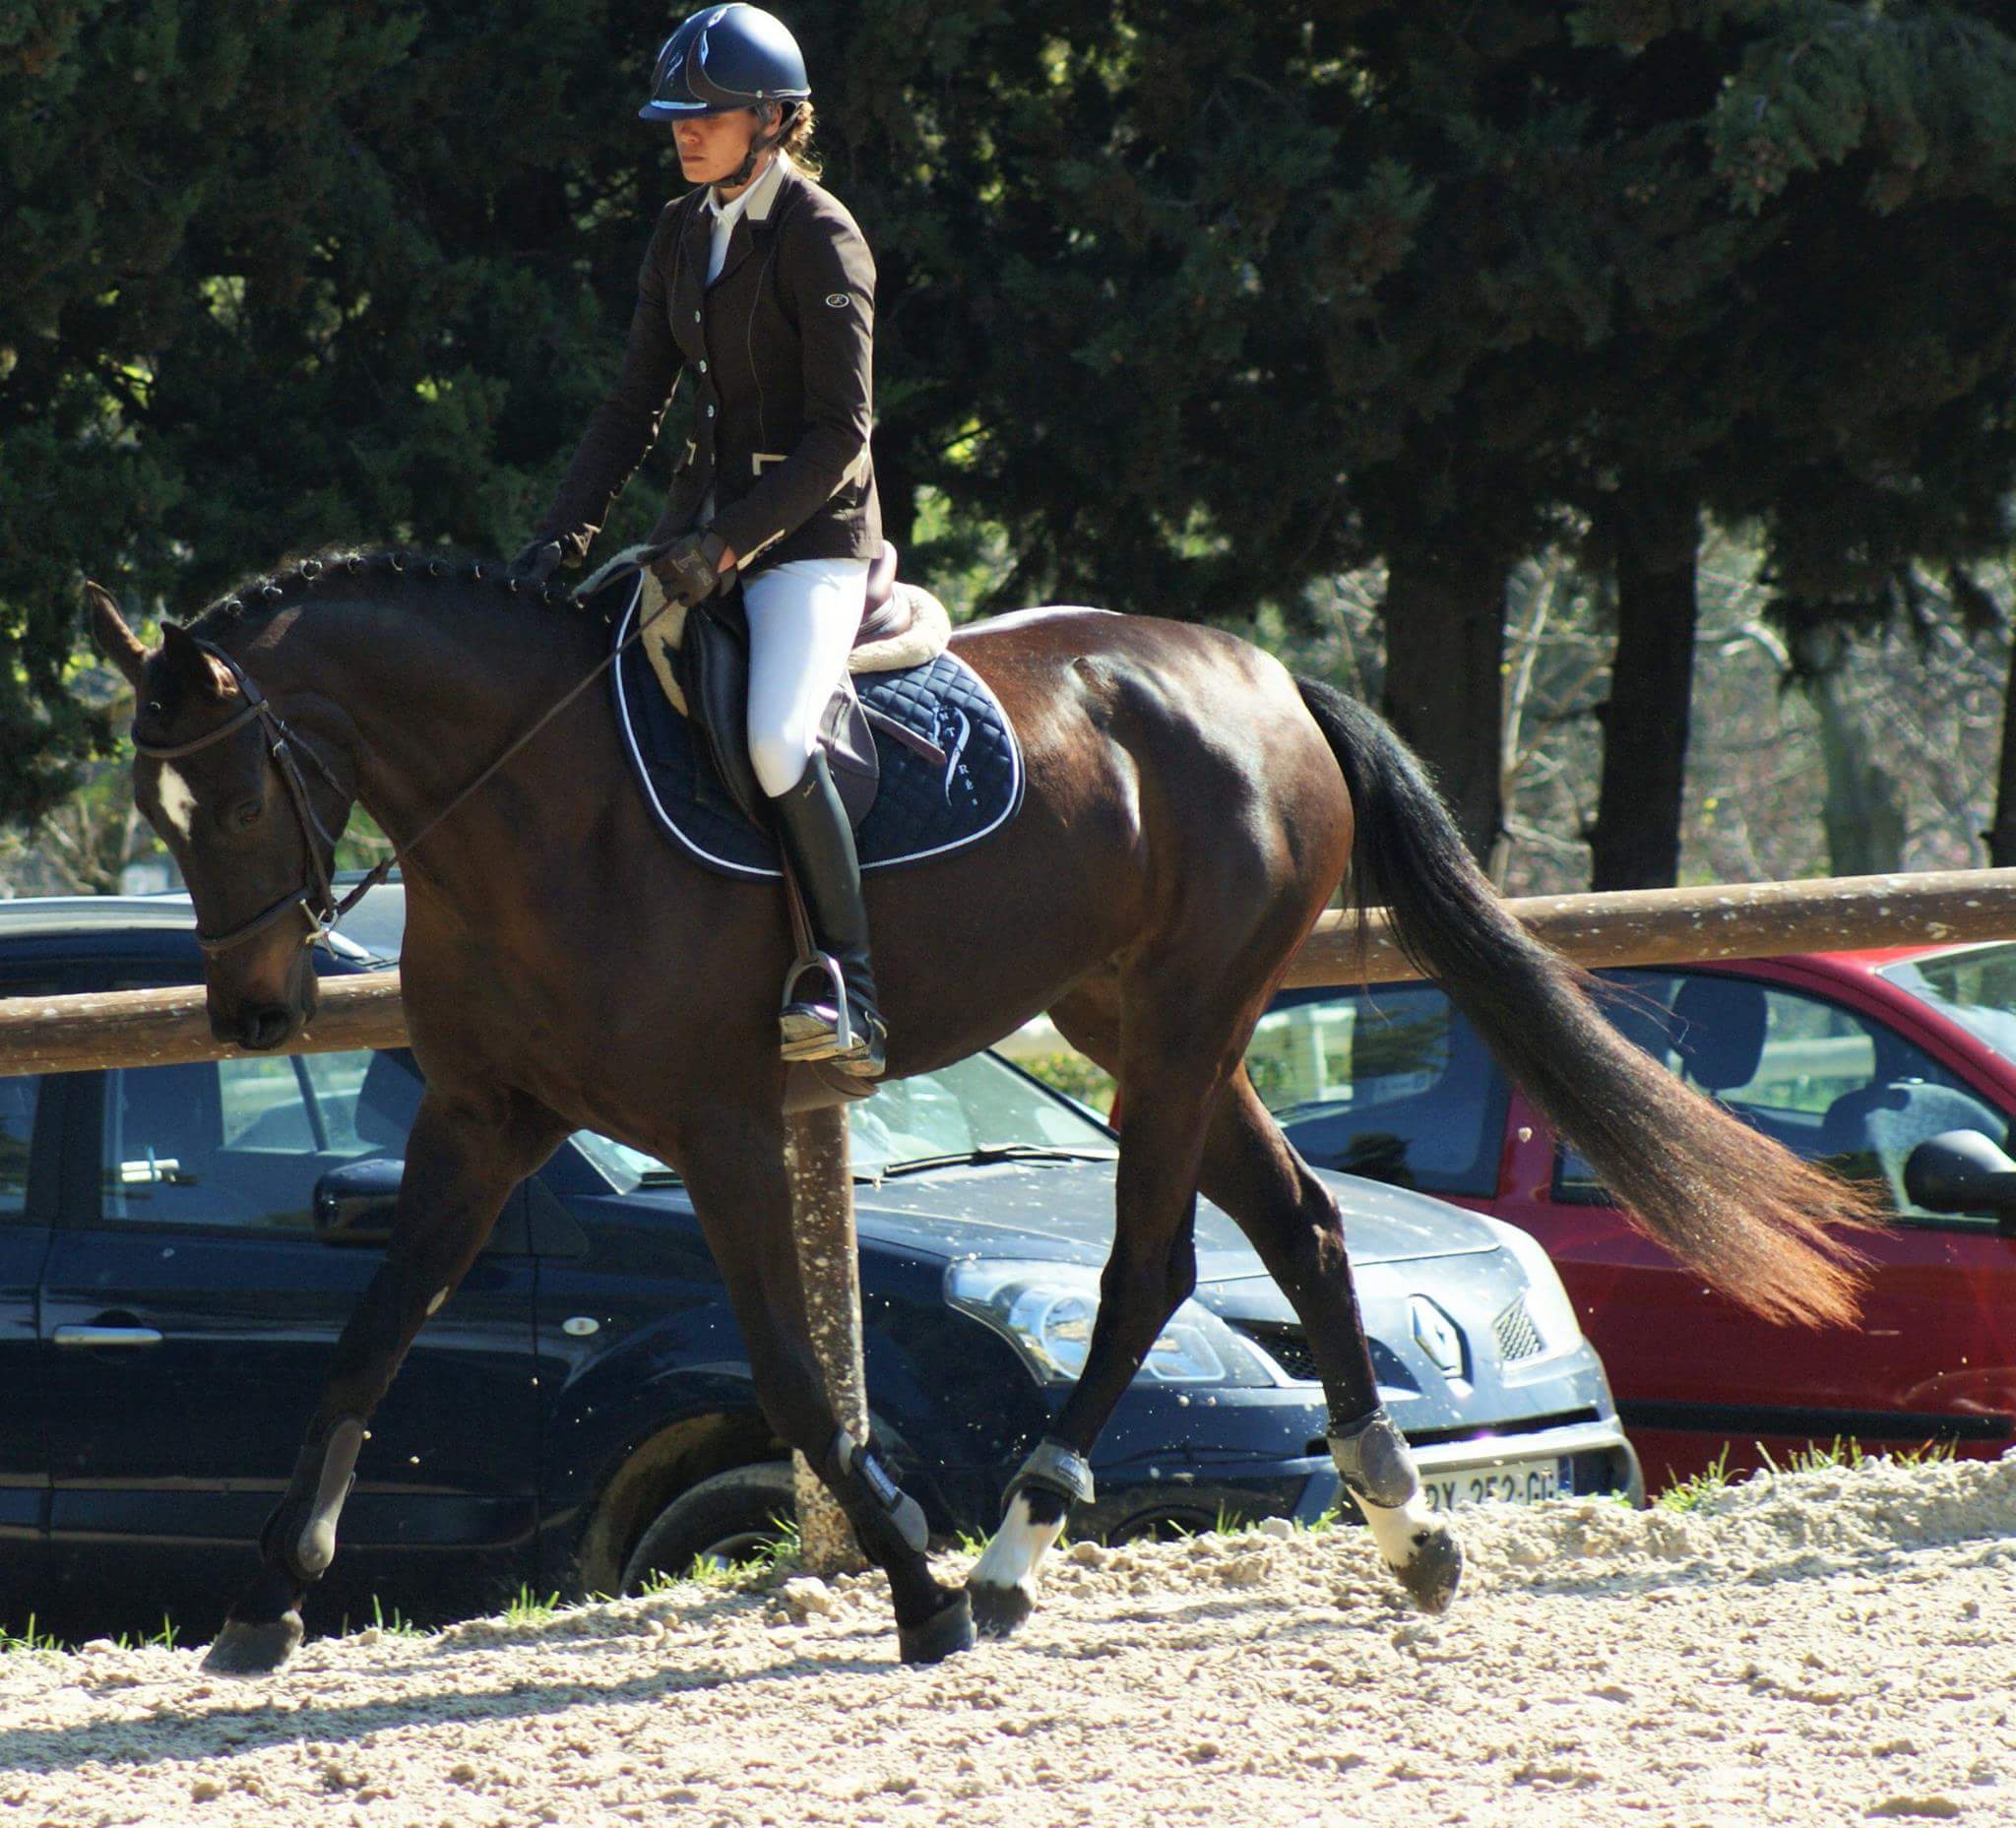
317 898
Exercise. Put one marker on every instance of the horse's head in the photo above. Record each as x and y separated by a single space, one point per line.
217 775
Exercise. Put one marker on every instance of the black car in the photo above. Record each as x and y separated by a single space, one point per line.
580 1412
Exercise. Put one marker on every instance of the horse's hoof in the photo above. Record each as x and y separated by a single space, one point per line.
1436 1570
945 1633
999 1611
243 1649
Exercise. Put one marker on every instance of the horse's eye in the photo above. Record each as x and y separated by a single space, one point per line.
248 815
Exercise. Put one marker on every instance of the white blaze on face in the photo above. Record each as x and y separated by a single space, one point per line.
177 802
1018 1549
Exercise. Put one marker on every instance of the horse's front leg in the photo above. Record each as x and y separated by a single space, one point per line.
734 1168
466 1153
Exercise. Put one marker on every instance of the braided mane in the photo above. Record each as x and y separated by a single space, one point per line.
322 572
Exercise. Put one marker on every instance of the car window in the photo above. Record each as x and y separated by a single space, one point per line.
1390 1083
240 1143
979 1102
1831 1084
1975 988
18 1095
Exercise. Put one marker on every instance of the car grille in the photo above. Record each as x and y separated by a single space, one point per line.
1518 1338
1288 1346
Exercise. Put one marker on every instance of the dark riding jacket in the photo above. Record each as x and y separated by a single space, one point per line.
779 349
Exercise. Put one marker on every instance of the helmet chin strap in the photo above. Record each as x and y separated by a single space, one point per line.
759 144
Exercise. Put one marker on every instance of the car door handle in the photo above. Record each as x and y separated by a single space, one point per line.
107 1336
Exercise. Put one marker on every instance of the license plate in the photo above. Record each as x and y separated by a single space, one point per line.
1514 1482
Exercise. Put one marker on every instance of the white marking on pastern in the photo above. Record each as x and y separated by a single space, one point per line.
1011 1558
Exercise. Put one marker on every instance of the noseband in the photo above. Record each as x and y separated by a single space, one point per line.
316 897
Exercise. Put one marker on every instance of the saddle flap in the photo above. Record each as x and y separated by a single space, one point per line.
710 667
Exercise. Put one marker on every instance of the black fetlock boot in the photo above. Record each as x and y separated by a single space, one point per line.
812 825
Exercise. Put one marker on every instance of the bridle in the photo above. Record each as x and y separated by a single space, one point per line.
316 897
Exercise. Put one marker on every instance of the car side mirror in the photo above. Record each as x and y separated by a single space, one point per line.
355 1203
1960 1171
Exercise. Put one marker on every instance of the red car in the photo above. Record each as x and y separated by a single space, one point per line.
1855 1059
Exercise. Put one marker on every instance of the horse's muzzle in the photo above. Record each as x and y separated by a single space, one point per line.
261 1028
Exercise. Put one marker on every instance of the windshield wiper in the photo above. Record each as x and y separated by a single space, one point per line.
999 1152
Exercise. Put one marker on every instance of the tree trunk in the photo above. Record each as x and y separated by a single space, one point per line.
1635 843
2001 834
1865 810
1445 642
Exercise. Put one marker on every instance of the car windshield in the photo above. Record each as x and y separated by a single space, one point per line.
969 1111
1975 988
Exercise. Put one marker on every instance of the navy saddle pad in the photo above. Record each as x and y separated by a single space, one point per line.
920 810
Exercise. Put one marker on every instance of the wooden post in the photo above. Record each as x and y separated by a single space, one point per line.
815 1157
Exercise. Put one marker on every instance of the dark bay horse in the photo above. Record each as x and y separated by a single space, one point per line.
1190 808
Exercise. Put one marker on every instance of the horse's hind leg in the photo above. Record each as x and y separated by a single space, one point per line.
1170 1067
1252 1170
734 1163
462 1157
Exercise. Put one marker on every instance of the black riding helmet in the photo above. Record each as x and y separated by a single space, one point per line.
723 58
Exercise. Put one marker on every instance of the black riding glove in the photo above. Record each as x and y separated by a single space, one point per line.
537 562
687 570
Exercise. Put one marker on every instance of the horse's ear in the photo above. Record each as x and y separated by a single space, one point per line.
203 672
116 641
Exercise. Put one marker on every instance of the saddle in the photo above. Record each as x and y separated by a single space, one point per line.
700 653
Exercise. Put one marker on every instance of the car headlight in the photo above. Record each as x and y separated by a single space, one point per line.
1046 1310
1546 1301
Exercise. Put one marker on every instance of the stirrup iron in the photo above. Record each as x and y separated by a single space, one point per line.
834 1043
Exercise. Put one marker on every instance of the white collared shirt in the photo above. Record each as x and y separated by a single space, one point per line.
756 195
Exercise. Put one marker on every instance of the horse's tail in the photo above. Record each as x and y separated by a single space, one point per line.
1746 1213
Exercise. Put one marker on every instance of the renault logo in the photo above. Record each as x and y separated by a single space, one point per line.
1436 1335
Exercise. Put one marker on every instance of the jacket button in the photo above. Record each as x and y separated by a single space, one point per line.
696 317
702 364
709 411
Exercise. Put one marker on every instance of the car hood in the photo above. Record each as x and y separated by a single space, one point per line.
1065 1211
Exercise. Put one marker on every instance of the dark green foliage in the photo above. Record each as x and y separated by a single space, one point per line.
286 272
1188 304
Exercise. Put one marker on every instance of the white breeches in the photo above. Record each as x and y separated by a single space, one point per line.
804 616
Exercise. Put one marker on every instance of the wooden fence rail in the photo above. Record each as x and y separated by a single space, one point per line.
1651 926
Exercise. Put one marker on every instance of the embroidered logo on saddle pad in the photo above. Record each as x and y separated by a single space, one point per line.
960 782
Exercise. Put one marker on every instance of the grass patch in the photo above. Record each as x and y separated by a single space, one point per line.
1845 1454
1690 1494
765 1564
399 1624
529 1609
28 1641
164 1639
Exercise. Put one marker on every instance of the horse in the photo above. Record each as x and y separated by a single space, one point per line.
1190 809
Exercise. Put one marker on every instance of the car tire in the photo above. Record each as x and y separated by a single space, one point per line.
723 1518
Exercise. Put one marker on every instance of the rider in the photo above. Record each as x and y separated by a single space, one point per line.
759 283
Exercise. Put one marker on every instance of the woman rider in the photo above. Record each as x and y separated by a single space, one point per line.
759 283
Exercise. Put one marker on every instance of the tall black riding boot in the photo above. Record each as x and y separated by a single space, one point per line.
812 825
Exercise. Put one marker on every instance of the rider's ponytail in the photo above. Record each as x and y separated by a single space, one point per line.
797 140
